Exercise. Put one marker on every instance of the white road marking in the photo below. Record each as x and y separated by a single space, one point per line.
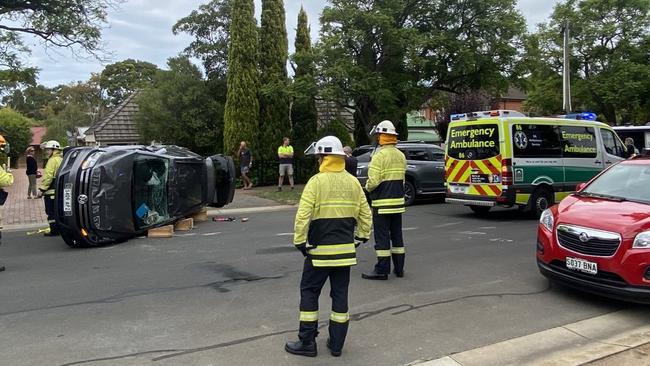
184 235
447 224
211 234
471 233
409 228
488 227
501 240
284 234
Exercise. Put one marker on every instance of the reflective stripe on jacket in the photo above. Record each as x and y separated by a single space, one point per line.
49 175
6 178
331 206
386 174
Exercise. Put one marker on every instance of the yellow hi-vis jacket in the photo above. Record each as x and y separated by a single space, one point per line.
49 175
6 178
331 205
386 174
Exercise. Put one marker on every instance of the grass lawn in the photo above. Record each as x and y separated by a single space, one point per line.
286 196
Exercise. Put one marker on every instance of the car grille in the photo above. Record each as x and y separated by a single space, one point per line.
588 241
84 188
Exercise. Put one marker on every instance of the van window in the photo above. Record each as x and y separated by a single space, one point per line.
578 142
536 141
473 142
612 144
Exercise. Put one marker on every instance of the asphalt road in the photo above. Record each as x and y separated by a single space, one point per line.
227 294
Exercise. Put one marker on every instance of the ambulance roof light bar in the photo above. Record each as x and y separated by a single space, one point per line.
485 114
582 116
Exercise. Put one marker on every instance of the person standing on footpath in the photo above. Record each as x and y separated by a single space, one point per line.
351 162
245 164
32 169
53 150
285 154
6 179
331 206
386 174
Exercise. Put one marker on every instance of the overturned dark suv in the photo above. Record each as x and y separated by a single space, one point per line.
109 194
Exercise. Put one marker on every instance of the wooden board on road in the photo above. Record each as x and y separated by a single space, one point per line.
166 231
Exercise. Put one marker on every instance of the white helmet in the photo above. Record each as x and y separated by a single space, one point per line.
328 145
52 144
386 127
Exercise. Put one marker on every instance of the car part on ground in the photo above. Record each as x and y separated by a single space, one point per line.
107 195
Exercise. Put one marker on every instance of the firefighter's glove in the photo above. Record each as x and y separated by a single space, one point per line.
358 241
302 248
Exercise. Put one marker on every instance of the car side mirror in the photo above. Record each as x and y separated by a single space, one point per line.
580 187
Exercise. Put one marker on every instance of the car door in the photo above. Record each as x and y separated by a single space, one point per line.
614 149
220 180
419 162
437 157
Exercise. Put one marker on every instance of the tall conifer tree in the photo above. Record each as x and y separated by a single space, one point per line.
274 97
303 112
242 107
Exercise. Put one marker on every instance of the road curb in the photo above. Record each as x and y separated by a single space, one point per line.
239 211
572 344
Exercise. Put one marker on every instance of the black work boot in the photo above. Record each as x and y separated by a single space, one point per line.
302 348
399 273
333 352
374 275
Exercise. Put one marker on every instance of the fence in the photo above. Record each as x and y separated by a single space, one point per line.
265 173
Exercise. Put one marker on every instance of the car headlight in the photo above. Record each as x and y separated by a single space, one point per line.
642 241
547 219
91 160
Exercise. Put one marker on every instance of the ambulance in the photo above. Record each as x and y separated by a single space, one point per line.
503 158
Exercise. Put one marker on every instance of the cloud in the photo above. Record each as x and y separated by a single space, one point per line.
141 29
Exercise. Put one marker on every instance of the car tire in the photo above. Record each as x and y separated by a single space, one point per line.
541 199
480 210
409 193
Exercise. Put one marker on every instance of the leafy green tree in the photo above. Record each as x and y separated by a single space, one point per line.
70 24
179 109
210 25
338 129
121 79
241 114
304 114
274 99
610 68
30 101
390 57
15 129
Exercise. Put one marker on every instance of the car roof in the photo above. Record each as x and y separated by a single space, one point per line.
638 160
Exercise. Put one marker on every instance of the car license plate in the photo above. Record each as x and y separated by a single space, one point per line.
67 199
581 265
459 189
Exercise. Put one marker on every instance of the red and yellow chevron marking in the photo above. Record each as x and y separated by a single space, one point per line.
460 171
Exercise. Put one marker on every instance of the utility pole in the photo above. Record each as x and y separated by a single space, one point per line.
566 77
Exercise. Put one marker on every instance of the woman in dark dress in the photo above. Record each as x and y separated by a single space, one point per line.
32 168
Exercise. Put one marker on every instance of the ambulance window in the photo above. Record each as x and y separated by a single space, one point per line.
473 142
578 142
536 141
612 144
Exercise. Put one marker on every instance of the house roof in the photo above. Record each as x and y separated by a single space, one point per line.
37 135
514 93
118 126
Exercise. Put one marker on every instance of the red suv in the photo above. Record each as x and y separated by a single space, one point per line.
598 239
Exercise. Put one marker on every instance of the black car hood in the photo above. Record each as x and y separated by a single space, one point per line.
111 190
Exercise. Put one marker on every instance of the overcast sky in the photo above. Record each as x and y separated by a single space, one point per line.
141 29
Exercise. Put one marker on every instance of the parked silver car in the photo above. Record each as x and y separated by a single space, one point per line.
425 170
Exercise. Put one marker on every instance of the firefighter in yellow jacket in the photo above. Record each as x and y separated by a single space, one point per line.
46 188
333 218
6 179
386 174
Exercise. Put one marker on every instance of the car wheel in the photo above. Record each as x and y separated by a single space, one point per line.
409 193
541 199
480 210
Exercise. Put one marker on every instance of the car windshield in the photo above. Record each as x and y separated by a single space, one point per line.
623 182
150 190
